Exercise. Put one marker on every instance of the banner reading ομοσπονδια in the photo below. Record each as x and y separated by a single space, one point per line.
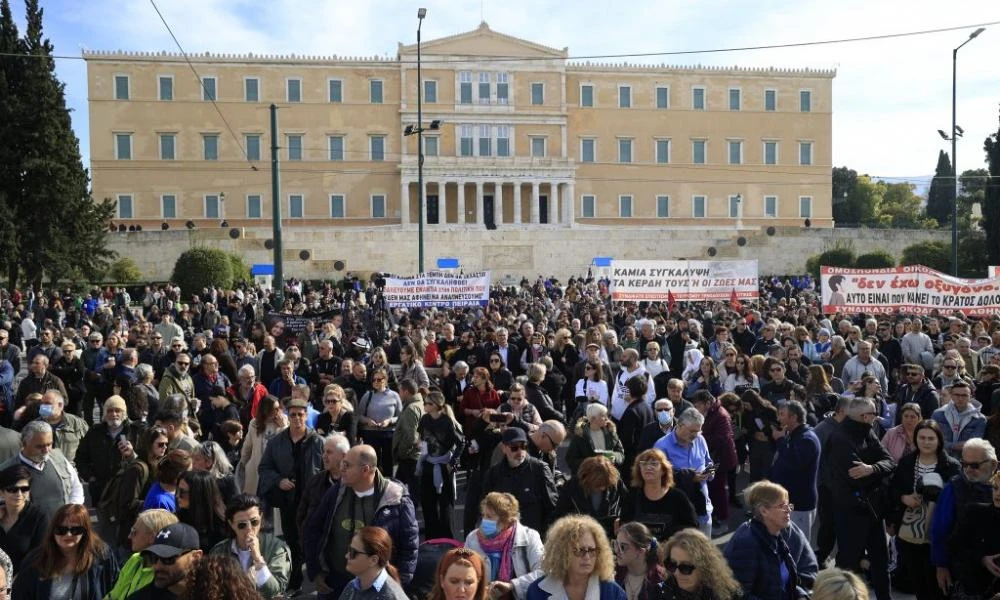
438 290
686 280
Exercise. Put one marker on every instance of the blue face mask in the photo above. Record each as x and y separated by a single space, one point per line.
488 527
664 417
45 411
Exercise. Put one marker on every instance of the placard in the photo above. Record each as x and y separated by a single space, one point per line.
685 280
912 289
438 290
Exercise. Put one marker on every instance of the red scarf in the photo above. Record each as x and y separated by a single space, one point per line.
503 543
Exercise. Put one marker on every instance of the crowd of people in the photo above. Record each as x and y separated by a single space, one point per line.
228 445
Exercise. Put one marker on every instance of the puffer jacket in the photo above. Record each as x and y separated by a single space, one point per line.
753 555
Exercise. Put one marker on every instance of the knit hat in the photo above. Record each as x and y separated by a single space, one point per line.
115 402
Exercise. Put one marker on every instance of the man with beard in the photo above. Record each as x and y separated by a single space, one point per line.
175 552
323 371
526 478
469 351
630 368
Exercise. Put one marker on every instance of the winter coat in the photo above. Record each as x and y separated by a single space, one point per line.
581 447
752 554
527 557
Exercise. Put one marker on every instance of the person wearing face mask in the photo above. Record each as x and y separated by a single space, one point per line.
511 552
663 411
68 429
100 455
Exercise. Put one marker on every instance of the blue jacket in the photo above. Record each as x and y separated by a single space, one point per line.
957 495
544 588
395 514
974 427
796 466
7 385
752 554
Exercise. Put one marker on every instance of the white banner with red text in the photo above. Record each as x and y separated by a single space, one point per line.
439 290
683 280
912 289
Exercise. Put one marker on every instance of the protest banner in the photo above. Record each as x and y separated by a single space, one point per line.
683 280
286 327
438 290
912 289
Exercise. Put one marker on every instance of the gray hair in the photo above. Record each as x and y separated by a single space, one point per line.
54 392
460 365
843 403
554 428
838 341
33 428
128 354
214 452
980 444
247 370
691 416
596 409
143 371
859 406
339 441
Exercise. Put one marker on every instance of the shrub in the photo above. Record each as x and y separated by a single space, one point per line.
241 270
879 259
935 255
201 268
124 270
839 256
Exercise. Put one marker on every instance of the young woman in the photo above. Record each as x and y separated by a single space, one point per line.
22 524
742 378
200 505
72 563
218 577
591 387
411 367
368 557
517 403
461 575
502 378
441 442
269 422
264 558
706 377
899 440
636 556
162 493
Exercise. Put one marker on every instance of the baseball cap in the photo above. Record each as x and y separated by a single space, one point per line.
174 540
513 435
593 345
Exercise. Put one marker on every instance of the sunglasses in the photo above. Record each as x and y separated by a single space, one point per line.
244 524
974 465
151 559
517 447
776 369
354 552
24 489
378 380
183 364
74 530
331 401
684 568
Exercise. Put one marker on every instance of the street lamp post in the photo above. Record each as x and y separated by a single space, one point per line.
421 13
954 160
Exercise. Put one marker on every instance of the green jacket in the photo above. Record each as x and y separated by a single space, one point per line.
405 440
134 576
275 553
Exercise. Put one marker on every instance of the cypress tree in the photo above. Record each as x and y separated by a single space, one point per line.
941 196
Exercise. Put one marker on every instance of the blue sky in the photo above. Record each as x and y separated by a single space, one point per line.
890 96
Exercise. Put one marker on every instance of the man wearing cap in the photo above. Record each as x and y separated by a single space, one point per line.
290 460
174 552
526 478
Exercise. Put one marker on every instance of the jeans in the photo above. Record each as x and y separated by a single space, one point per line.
804 519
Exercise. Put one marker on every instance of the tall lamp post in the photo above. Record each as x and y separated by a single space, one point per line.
956 132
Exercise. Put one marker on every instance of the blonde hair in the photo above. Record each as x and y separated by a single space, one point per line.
563 537
763 494
335 389
504 505
837 584
712 567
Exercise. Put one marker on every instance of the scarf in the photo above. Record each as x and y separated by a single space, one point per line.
437 462
502 544
778 545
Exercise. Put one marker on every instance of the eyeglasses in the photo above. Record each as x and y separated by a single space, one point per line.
354 552
787 507
775 369
299 414
378 379
869 414
582 552
974 465
244 524
494 360
75 530
684 568
649 465
151 559
183 364
177 345
14 489
949 366
331 401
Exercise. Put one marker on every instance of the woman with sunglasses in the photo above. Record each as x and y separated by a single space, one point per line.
577 560
71 563
769 554
368 557
264 557
338 415
636 556
501 376
696 569
135 574
200 505
591 387
136 477
22 525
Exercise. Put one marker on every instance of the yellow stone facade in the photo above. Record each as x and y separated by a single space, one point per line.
527 137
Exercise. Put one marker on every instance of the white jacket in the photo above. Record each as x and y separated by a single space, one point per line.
528 553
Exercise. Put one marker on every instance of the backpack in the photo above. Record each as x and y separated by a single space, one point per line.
107 506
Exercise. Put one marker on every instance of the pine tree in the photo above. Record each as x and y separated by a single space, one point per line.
941 196
991 203
9 156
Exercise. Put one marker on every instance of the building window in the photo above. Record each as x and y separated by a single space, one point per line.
375 91
431 145
698 152
253 146
208 89
806 207
735 207
663 207
734 99
662 151
537 93
465 87
210 146
212 206
770 153
122 87
465 140
336 91
624 96
770 100
485 141
430 91
587 96
376 145
293 90
588 208
805 101
296 206
503 140
503 88
338 210
167 146
698 98
484 88
166 85
255 208
624 150
698 206
294 147
735 152
538 147
378 206
336 144
251 89
168 206
588 150
771 206
805 153
625 207
123 146
662 96
125 206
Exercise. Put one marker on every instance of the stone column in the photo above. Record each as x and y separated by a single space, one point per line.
423 205
570 197
460 207
498 203
479 203
534 202
404 203
517 202
554 206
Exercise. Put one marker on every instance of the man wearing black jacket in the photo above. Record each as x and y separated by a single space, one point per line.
915 388
528 479
537 395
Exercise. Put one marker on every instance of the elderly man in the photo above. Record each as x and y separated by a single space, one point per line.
663 410
453 386
38 381
855 465
335 447
68 429
960 420
526 478
364 498
686 448
177 380
268 359
54 480
100 454
863 362
979 462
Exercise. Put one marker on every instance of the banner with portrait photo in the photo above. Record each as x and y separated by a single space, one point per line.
912 289
684 280
437 290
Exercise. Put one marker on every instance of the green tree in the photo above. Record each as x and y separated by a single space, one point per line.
852 202
201 268
240 269
879 259
124 270
991 201
899 207
841 255
941 196
934 254
972 263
